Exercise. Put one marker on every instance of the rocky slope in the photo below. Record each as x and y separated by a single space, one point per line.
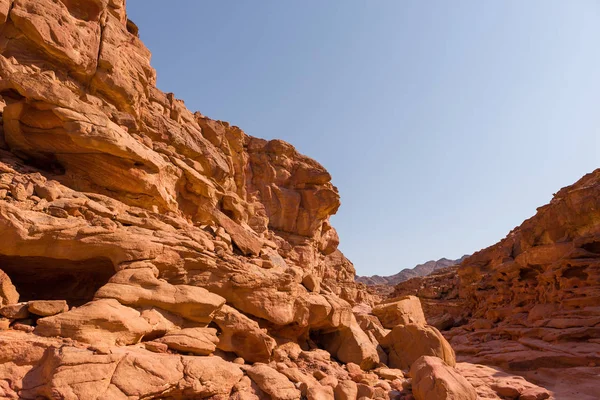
151 252
530 303
409 273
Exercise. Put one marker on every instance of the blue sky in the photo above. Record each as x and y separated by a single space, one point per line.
444 124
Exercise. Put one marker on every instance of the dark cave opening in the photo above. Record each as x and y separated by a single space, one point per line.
43 278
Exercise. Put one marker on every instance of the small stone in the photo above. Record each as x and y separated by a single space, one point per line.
239 361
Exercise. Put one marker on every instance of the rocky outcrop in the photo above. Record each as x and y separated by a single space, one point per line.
407 343
530 302
151 252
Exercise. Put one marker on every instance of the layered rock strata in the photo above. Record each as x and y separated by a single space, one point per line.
151 252
530 303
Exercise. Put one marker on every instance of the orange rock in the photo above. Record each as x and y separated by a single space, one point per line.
241 335
351 345
102 321
199 341
15 311
139 287
273 383
433 379
406 310
8 293
46 308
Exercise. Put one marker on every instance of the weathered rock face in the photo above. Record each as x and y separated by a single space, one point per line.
151 252
529 302
433 379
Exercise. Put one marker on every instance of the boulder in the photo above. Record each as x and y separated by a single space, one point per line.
103 321
141 288
406 310
433 379
15 311
275 384
406 343
46 308
8 292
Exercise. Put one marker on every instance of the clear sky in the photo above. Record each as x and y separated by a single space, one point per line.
444 124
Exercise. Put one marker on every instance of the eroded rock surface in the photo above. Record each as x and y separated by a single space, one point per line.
530 302
151 252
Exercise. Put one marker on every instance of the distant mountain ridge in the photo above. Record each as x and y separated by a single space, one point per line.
408 273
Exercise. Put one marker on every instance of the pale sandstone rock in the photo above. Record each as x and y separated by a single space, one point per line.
275 384
46 308
102 321
199 341
406 343
406 310
433 379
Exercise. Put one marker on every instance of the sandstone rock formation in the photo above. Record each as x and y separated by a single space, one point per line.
151 252
433 379
529 304
409 273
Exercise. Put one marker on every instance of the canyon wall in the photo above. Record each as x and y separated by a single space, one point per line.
148 251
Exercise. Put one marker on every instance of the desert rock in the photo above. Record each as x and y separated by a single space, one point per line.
98 322
433 379
407 343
